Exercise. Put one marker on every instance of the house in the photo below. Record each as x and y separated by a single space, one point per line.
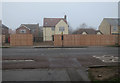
87 31
0 27
23 30
12 31
28 29
109 26
5 30
53 26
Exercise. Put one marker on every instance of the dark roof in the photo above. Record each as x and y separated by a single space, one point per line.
31 26
87 30
113 21
51 22
3 26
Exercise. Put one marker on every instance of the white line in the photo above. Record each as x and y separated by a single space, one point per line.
18 60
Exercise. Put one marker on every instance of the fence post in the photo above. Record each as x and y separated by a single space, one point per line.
62 40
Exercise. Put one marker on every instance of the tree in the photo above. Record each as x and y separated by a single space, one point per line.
70 29
83 25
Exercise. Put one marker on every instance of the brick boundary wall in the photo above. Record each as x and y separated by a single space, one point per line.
85 40
21 40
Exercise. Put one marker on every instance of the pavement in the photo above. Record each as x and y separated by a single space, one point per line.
52 64
61 74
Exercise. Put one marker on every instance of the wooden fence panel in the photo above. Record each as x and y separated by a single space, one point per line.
21 40
57 40
86 40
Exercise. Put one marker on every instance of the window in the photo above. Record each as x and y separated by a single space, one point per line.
61 29
52 28
23 31
115 28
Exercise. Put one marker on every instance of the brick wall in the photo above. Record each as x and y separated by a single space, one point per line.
5 31
85 40
22 28
3 39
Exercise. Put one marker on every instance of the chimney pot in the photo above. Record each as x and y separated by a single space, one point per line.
65 17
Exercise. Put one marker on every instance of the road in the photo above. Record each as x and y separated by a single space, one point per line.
51 64
30 51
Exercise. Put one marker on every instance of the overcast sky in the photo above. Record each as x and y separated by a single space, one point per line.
91 13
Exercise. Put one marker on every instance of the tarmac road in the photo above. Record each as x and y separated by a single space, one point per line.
51 64
30 51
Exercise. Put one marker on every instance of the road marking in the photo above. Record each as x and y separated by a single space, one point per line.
18 60
107 58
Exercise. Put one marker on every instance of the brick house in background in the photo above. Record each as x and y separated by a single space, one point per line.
12 31
52 26
5 30
110 26
5 34
22 30
88 31
28 29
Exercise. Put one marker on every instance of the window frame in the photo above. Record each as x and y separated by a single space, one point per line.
115 28
23 31
63 29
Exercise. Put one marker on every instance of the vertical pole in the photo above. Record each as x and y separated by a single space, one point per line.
45 33
62 38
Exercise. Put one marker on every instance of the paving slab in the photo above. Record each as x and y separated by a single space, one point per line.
64 63
36 75
74 75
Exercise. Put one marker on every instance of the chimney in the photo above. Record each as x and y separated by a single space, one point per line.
65 17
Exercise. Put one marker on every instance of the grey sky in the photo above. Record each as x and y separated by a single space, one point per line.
91 13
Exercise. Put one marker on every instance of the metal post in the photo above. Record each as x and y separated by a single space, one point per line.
62 38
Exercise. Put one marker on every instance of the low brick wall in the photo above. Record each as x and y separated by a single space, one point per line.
21 40
85 40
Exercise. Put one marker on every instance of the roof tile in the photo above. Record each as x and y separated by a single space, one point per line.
51 22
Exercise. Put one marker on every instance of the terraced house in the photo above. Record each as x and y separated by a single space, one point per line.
110 26
52 26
